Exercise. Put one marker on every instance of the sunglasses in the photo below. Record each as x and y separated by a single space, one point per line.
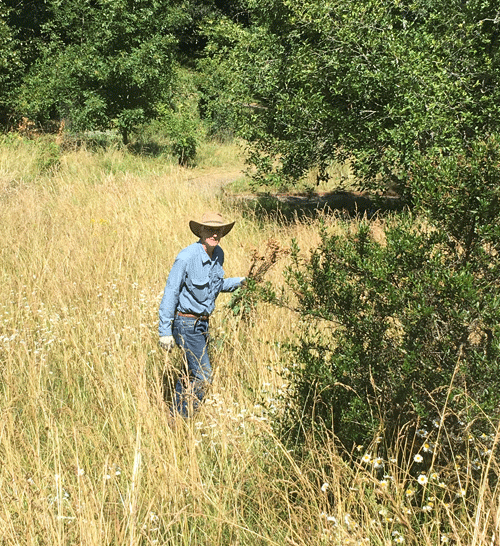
212 230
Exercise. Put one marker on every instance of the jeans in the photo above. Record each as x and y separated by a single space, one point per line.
191 335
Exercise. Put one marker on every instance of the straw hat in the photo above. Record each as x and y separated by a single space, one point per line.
213 220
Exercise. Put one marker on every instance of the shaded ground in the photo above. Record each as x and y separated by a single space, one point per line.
349 204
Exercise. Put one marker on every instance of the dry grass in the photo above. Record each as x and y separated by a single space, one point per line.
88 456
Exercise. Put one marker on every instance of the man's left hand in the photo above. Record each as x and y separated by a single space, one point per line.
167 343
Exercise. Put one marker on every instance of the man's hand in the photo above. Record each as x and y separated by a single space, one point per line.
167 343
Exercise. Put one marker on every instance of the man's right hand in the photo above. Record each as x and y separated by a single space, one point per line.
167 343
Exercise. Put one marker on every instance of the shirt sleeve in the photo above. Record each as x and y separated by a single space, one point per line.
232 283
170 297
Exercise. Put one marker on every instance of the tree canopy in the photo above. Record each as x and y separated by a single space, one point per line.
377 81
10 62
98 63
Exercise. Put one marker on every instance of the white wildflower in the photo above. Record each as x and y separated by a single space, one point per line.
378 463
422 479
349 522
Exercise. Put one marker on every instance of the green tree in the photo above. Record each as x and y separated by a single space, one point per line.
376 81
223 94
102 63
10 64
192 36
26 19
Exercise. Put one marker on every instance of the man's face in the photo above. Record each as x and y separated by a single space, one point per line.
210 236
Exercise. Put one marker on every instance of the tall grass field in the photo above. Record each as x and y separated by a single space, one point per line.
88 453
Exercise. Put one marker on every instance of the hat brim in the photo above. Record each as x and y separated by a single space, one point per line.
196 227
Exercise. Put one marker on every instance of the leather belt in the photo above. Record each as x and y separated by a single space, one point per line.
191 315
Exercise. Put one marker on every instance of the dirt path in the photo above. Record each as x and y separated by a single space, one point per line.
213 181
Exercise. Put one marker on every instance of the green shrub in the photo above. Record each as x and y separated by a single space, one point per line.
404 331
184 148
182 130
48 155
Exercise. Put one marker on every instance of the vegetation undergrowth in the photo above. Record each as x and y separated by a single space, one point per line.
88 453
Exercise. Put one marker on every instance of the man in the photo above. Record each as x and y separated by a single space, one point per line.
194 282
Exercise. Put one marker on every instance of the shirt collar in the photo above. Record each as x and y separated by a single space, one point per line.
205 258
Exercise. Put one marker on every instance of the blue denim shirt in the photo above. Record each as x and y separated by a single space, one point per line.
193 284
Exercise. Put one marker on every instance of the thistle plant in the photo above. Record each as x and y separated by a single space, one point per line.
256 289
